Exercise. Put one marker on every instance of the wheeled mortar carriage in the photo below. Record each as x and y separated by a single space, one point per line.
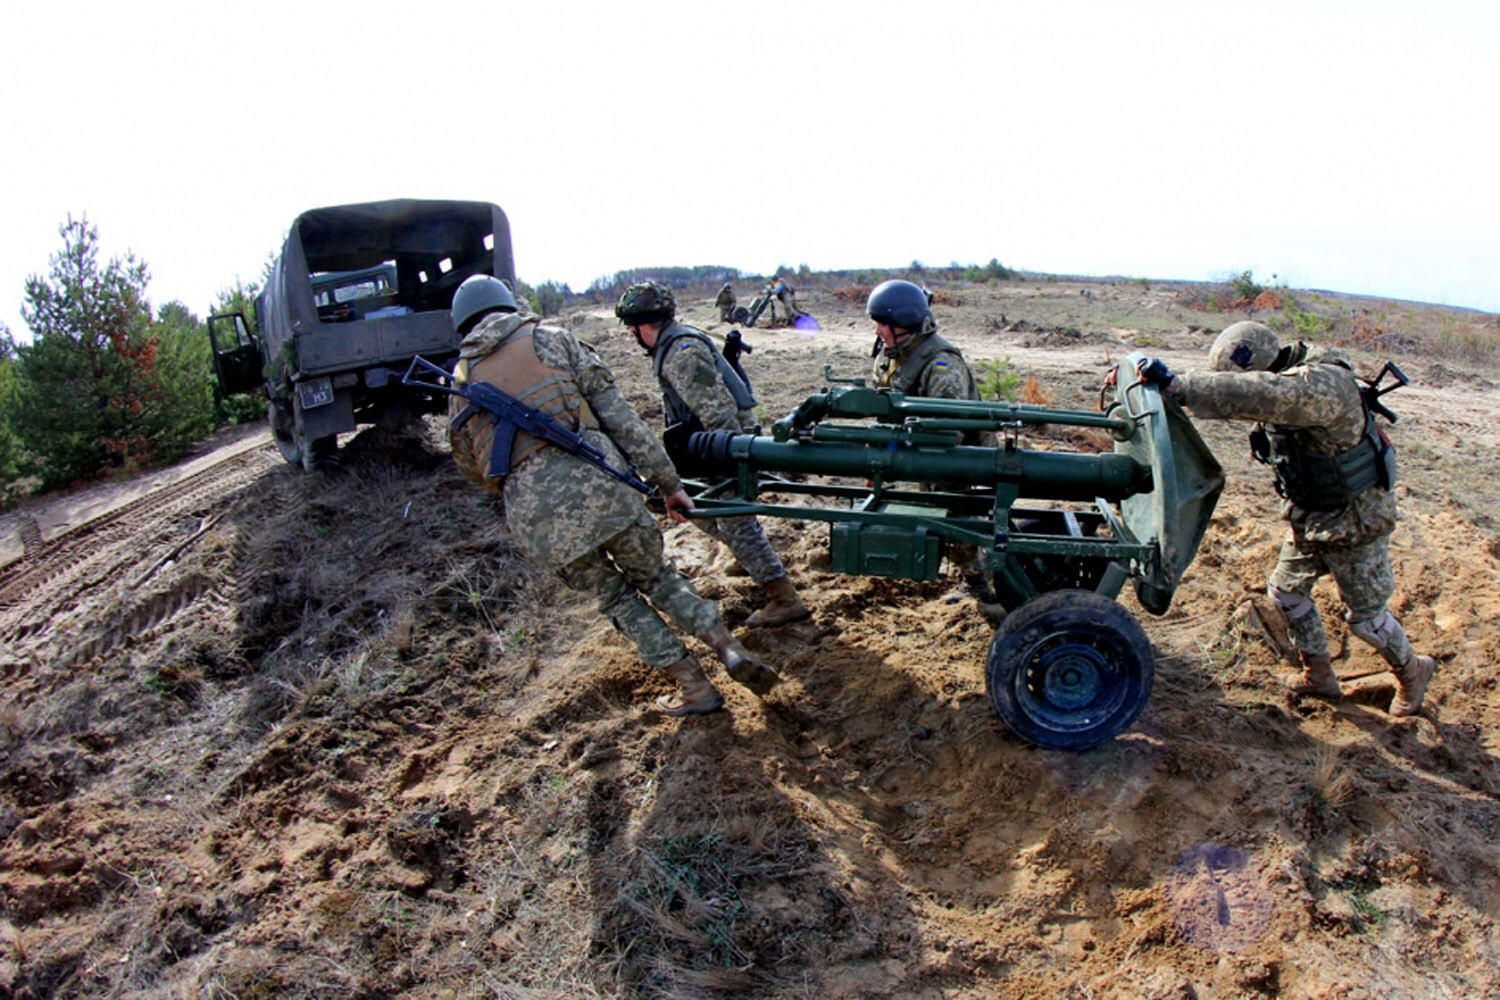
1069 667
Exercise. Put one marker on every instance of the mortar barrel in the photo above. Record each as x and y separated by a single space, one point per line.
1044 475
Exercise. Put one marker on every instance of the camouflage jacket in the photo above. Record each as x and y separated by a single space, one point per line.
687 367
927 366
558 506
725 298
1319 402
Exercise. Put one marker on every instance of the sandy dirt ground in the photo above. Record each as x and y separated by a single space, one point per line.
267 734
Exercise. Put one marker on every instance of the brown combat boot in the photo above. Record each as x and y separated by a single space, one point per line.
1317 678
785 607
1411 685
698 695
742 665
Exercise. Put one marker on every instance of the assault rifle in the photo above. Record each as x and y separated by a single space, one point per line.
1372 390
510 415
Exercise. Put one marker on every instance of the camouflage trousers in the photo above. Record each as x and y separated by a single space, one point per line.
747 540
630 565
1362 572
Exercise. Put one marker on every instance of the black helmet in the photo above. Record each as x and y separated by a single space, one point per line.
479 294
900 304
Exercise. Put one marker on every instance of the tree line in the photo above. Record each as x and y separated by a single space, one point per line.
105 382
108 385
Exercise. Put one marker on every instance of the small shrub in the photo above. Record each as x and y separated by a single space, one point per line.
1033 393
1266 301
1245 287
998 381
1304 324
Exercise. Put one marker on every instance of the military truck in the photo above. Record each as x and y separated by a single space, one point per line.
356 292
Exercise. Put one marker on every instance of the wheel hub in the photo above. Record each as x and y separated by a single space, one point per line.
1070 676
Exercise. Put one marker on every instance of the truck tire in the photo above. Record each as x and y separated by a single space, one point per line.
319 453
292 442
284 430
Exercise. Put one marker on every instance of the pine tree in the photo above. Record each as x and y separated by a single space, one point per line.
87 383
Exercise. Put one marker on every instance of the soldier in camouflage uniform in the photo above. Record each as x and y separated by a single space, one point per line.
784 293
911 358
565 514
726 301
1335 469
701 391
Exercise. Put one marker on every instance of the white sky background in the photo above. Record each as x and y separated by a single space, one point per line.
1347 146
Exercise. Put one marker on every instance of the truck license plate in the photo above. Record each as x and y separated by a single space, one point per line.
315 392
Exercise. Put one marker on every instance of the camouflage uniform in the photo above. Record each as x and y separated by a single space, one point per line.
564 514
1319 402
725 302
928 365
684 360
787 296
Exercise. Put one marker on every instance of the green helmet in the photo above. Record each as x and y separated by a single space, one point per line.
646 302
1245 346
479 294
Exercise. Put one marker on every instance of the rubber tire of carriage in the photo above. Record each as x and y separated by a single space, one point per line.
1069 670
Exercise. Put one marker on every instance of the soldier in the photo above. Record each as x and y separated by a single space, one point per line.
726 302
911 358
568 516
701 391
787 296
1335 469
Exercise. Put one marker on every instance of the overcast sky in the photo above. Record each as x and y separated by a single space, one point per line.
1347 146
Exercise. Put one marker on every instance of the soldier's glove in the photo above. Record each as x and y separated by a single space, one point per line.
1155 371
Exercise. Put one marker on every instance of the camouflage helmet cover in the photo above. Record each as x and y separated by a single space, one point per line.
1245 346
479 294
646 298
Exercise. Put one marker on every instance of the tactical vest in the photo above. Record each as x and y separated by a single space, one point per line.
1317 481
674 409
515 369
906 366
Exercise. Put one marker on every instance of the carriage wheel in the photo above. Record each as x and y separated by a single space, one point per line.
1069 670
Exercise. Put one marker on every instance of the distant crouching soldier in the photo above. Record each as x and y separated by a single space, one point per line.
726 302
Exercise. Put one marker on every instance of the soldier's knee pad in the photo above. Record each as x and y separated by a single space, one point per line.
1292 605
1377 631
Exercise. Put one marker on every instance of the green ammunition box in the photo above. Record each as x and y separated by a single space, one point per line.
909 552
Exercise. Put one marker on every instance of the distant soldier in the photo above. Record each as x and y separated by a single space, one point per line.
702 391
782 292
1334 469
911 358
726 303
568 516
